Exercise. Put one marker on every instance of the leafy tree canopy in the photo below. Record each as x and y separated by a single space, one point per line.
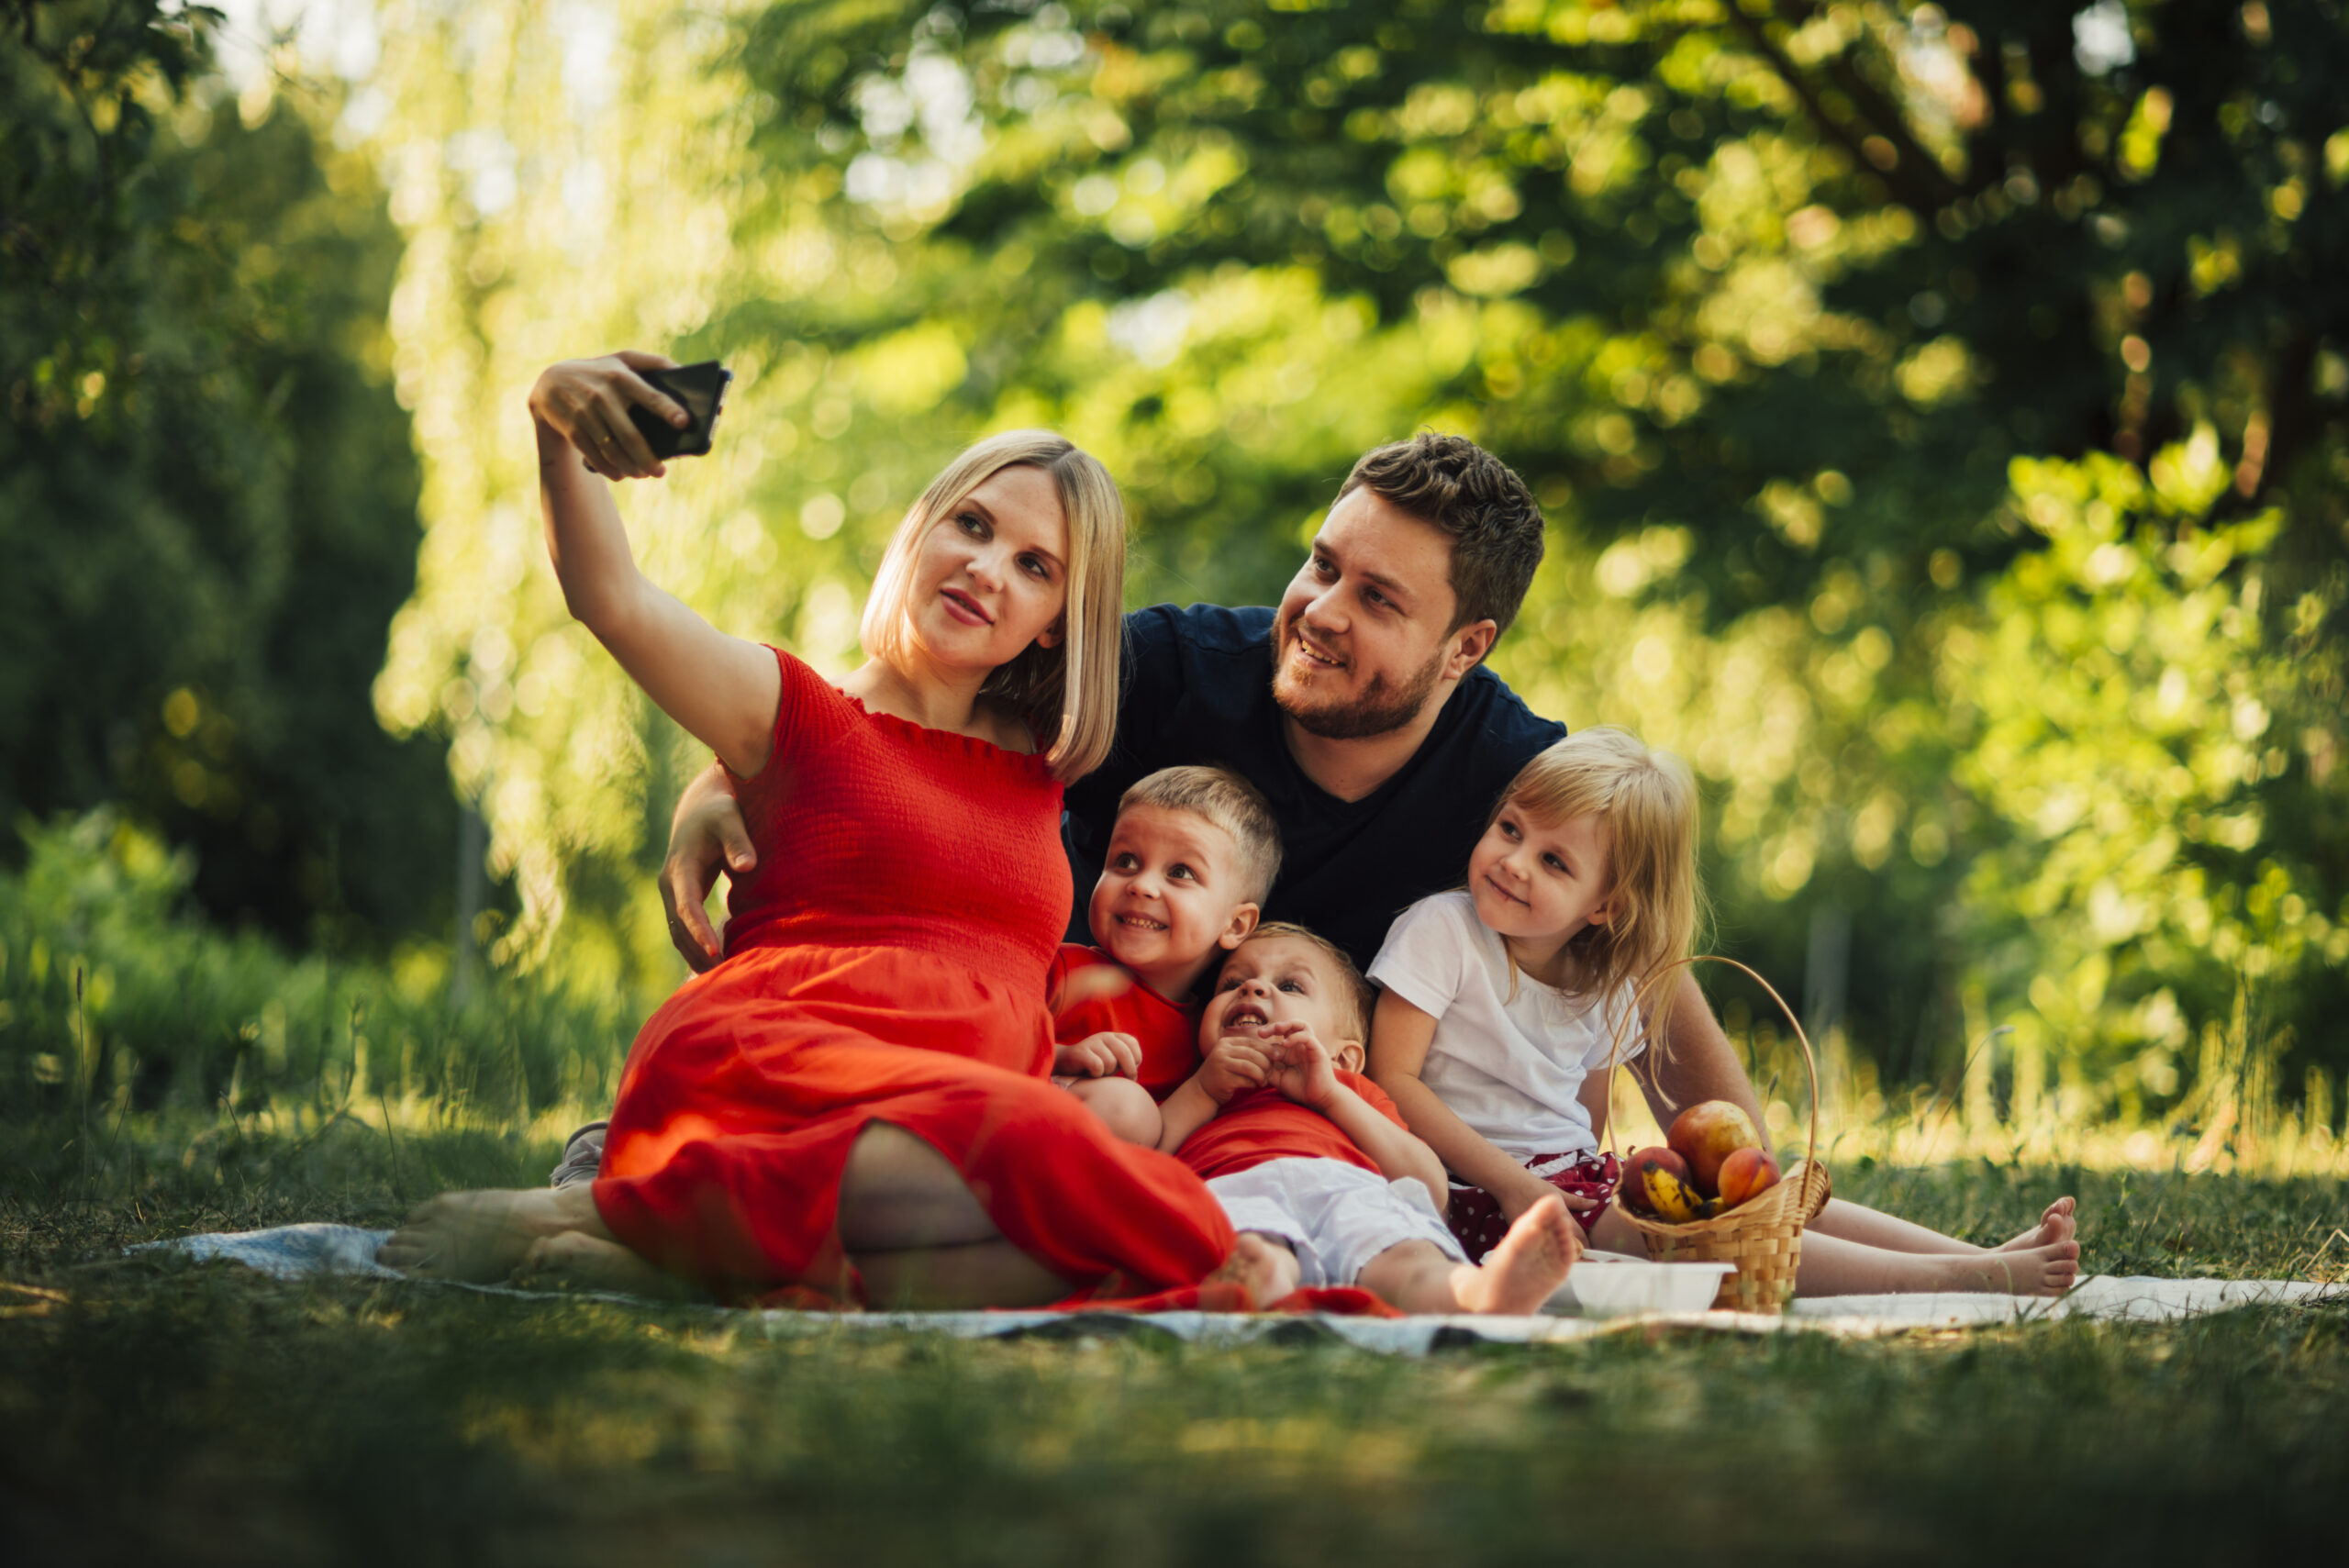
207 492
1831 337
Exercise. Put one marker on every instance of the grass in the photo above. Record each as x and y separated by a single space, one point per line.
151 1408
157 1078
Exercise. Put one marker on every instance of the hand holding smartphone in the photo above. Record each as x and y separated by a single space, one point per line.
700 390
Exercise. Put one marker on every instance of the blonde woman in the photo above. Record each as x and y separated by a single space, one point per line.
856 1103
1503 1003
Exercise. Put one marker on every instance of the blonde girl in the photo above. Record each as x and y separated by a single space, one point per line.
854 1104
1504 1001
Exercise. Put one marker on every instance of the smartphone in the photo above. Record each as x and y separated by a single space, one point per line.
698 389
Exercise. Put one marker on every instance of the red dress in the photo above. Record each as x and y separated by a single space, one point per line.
885 963
1105 997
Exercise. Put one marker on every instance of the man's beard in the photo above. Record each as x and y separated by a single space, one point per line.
1379 710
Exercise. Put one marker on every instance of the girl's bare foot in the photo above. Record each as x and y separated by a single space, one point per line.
1266 1270
2056 1225
574 1261
480 1238
2048 1270
1529 1263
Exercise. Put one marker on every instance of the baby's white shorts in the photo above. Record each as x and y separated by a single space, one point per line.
1336 1217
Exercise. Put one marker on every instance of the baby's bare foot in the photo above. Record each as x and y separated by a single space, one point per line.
477 1238
1529 1263
2048 1270
2057 1224
1266 1270
572 1261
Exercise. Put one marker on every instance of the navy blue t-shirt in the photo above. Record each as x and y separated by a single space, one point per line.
1198 688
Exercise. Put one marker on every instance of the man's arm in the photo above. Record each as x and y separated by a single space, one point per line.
1691 1059
707 836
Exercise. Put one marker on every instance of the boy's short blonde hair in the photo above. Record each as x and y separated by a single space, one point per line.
1232 804
1353 996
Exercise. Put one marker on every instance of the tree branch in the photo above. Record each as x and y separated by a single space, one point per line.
1986 148
1923 199
1884 117
2291 418
2056 154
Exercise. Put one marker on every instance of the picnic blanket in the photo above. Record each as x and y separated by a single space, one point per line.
294 1250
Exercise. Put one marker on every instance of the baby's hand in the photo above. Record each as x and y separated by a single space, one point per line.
1301 1065
1235 1062
1107 1054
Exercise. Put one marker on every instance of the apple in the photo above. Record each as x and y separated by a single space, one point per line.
1638 1197
1745 1173
1707 1133
1635 1191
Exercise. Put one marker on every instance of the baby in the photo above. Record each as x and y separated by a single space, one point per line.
1190 858
1303 1150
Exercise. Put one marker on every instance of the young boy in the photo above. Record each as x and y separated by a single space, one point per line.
1190 858
1304 1151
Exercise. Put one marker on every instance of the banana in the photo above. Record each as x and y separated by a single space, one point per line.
1675 1201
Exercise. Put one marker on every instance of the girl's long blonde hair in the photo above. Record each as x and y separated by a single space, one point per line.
1068 692
1648 802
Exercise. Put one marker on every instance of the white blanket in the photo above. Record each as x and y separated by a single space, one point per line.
293 1251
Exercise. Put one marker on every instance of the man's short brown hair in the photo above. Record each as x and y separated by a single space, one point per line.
1451 483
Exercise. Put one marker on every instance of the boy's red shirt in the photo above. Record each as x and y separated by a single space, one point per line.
1169 1031
1258 1125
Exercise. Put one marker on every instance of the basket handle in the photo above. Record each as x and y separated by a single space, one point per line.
1614 1054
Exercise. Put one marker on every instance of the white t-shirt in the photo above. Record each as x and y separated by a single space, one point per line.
1512 1067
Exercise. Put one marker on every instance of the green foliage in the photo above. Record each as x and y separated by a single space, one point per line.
118 999
2132 710
207 490
1766 302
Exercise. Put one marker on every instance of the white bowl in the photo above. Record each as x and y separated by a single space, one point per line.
1605 1284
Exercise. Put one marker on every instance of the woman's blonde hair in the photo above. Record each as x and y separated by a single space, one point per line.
1067 692
1648 801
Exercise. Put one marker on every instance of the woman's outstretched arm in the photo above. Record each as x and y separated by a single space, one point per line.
723 690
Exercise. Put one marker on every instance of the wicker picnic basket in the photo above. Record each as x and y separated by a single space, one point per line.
1762 1236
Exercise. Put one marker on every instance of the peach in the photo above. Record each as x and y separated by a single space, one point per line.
1707 1133
1747 1172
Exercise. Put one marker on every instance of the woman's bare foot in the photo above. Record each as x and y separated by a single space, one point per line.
2057 1224
480 1238
2048 1270
575 1261
1266 1270
1528 1263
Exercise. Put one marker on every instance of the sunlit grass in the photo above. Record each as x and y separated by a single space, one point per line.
2219 1129
216 1085
344 1419
337 1419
